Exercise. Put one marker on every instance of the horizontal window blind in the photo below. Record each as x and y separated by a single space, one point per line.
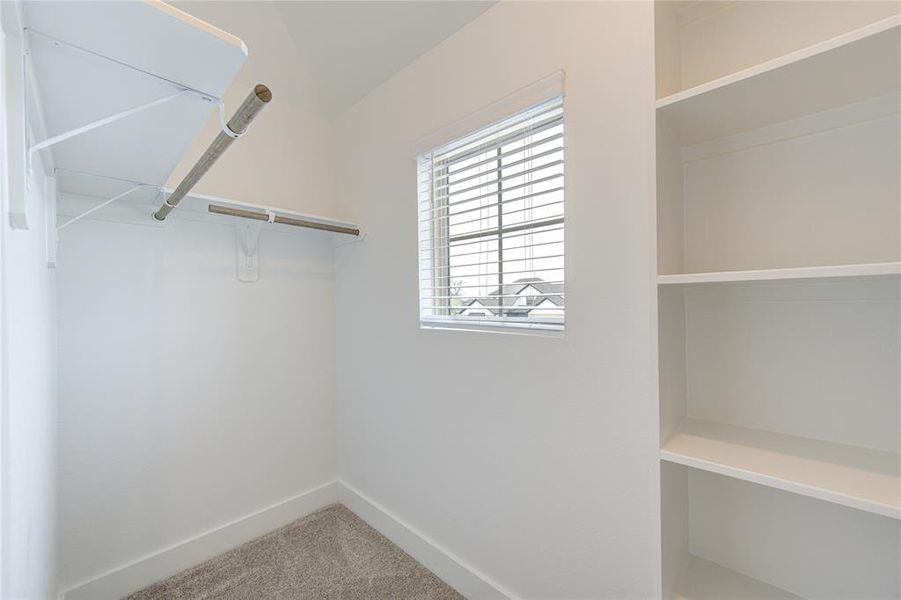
491 238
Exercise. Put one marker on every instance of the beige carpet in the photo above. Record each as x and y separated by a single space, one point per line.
330 555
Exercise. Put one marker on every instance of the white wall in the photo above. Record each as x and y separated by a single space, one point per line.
188 399
819 344
531 457
829 197
702 41
811 548
29 406
285 160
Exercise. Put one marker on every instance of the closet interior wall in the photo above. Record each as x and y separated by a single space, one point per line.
698 42
816 359
487 442
28 347
30 409
191 401
211 397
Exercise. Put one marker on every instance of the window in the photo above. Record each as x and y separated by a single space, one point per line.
491 225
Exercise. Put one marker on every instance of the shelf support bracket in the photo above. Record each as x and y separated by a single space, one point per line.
105 121
106 203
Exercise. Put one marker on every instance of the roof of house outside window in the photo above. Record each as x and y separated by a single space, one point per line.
512 294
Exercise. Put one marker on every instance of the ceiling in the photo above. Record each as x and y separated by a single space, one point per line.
326 55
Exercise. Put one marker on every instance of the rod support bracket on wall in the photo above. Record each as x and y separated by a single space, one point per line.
247 236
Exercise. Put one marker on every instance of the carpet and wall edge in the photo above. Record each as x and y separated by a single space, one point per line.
154 567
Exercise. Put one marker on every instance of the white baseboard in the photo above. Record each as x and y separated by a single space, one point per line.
140 573
459 574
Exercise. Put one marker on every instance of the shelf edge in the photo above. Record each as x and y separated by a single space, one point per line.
794 273
794 487
199 24
781 61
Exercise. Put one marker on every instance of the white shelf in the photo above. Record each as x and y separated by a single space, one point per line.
855 477
704 580
850 68
92 60
794 273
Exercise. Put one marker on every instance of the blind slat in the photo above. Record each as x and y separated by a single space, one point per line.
509 283
445 162
512 188
516 163
548 323
443 191
513 228
494 262
422 213
494 297
505 213
506 237
513 284
426 257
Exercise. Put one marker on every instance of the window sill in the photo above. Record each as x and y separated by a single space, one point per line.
548 331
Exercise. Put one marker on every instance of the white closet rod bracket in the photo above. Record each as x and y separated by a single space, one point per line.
248 238
236 126
223 125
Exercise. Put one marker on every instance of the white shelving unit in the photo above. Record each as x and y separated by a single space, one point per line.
117 92
90 62
726 538
856 477
779 299
850 68
705 580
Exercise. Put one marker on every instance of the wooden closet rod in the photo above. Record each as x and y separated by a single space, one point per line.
261 216
237 125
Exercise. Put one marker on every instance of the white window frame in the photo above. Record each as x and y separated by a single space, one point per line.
434 238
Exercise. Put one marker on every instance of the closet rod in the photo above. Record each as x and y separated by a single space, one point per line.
236 126
273 218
